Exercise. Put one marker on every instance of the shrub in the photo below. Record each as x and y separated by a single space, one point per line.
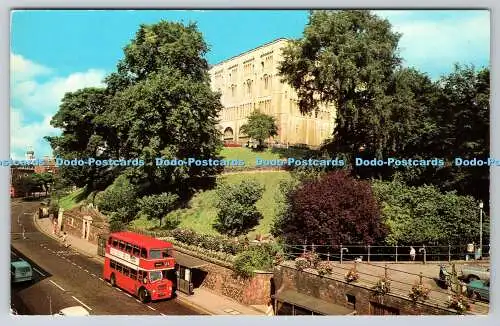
159 205
236 203
119 196
324 268
331 210
352 275
302 263
255 258
419 292
312 258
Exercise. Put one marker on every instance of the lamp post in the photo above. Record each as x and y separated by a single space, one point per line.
481 205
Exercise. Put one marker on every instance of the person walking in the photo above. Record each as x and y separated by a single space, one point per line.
413 253
64 239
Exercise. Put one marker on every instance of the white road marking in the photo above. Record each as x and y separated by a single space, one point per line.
117 289
83 304
151 308
138 301
162 314
73 264
80 267
128 295
108 284
86 270
101 279
57 285
93 275
36 270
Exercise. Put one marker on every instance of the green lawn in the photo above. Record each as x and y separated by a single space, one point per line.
247 155
202 213
71 200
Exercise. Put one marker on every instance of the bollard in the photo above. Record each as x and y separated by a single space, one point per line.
368 253
449 253
396 253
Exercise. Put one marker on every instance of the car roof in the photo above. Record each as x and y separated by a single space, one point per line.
20 263
74 311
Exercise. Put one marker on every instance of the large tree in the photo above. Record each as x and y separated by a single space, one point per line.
260 126
346 58
165 107
83 136
332 210
157 104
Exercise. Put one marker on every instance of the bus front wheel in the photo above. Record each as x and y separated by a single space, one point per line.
143 295
112 280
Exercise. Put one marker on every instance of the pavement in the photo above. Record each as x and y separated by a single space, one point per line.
203 299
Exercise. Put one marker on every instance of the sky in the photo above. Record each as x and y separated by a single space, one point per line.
59 51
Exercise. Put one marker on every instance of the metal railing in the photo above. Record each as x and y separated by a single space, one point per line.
396 254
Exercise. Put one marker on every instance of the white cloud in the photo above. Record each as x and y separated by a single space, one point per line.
37 101
24 134
434 41
23 69
46 97
444 40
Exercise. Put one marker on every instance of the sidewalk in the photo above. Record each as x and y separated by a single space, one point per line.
203 299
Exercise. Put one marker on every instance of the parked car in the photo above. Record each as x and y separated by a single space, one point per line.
479 290
20 271
475 272
73 311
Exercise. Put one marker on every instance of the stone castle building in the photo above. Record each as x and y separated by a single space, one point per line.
250 81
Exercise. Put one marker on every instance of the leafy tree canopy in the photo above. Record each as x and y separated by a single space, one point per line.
335 209
260 126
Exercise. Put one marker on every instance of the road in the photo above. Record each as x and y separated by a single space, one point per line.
65 278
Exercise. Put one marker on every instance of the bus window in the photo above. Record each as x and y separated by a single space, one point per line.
126 271
115 243
143 253
112 264
159 253
135 251
121 245
155 276
128 248
133 274
110 239
118 267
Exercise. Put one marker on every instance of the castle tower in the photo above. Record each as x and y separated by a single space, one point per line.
30 154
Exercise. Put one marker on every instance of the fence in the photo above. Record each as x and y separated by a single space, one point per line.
389 253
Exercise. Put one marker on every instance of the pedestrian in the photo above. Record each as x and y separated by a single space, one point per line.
412 253
64 239
270 309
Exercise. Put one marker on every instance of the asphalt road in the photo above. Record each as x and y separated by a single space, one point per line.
65 278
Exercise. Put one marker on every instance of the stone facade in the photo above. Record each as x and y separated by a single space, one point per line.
252 291
342 293
85 223
249 82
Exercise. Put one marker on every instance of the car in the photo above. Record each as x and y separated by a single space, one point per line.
475 272
73 311
479 290
21 271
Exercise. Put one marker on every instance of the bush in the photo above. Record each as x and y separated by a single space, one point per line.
331 210
301 263
121 196
236 203
157 206
255 258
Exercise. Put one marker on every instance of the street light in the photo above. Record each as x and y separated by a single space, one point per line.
481 205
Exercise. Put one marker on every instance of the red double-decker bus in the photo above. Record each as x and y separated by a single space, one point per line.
141 265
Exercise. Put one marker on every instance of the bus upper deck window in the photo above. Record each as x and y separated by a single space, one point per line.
143 253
